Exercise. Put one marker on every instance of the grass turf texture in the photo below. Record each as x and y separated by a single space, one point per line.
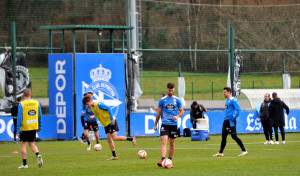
190 158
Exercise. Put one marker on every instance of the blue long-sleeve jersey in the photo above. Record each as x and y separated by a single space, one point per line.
232 109
87 113
20 117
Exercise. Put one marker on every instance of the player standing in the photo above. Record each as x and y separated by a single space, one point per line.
89 121
168 108
232 112
105 116
28 123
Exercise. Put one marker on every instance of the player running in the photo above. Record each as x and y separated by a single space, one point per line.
105 116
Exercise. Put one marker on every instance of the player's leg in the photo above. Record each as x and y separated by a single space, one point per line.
226 127
15 129
34 148
163 149
270 131
172 136
276 134
95 129
266 131
86 134
111 146
282 134
172 148
113 129
23 152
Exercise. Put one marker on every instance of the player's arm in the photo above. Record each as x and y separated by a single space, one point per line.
19 118
204 109
157 118
192 115
237 109
40 118
181 111
108 109
286 108
82 110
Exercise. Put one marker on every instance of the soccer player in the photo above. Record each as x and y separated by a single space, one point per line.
277 115
105 116
82 138
232 112
28 123
89 121
264 115
168 108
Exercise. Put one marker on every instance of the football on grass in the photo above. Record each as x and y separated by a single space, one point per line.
142 154
167 163
97 147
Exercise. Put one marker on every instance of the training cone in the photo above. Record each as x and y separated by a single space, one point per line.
15 152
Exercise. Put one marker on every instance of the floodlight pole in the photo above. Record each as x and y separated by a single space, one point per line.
231 51
13 46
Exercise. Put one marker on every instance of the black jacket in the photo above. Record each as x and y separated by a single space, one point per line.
196 113
264 112
14 110
276 112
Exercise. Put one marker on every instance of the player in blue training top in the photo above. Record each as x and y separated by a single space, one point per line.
232 112
168 108
89 121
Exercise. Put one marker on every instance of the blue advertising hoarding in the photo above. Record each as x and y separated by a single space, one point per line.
48 131
104 75
61 93
141 124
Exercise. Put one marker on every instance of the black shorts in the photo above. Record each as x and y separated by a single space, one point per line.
93 124
170 130
112 128
227 129
28 136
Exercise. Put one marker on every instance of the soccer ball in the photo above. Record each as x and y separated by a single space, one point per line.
167 163
142 154
97 147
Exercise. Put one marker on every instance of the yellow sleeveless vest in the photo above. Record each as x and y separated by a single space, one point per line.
102 115
30 115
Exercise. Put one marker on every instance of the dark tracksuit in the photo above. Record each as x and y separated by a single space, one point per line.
14 113
196 113
264 115
277 116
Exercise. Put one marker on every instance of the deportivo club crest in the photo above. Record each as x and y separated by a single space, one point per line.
102 89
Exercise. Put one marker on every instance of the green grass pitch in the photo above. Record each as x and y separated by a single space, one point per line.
190 158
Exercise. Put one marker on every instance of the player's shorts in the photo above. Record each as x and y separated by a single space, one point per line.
170 130
227 129
93 124
112 128
28 136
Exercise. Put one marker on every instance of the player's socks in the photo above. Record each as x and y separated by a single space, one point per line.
37 153
129 138
114 153
88 142
97 142
162 158
24 162
170 158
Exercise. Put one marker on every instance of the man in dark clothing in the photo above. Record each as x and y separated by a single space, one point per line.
14 113
196 112
264 115
277 116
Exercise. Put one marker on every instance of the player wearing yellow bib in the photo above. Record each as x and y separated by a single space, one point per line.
28 122
105 116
